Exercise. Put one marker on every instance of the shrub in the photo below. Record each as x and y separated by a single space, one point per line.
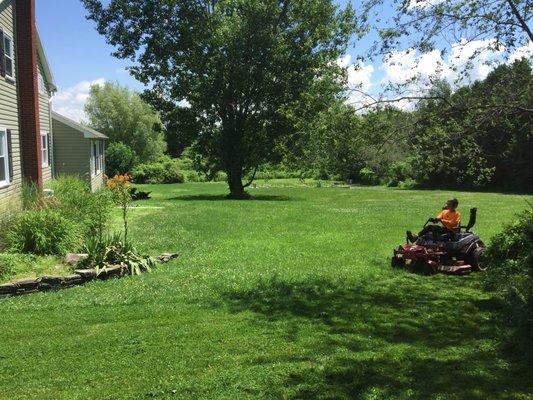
194 176
509 259
398 172
408 184
120 159
159 172
75 201
30 195
43 232
368 176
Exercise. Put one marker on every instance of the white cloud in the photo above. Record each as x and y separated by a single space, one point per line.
423 3
416 73
71 101
525 51
359 77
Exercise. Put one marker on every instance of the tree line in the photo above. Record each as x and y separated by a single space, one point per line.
248 83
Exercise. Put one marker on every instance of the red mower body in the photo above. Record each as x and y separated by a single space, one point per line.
429 260
456 254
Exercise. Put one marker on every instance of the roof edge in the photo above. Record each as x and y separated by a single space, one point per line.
88 133
47 70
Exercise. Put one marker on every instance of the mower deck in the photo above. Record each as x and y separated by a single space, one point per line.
429 260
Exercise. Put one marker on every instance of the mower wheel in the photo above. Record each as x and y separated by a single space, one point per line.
474 259
397 262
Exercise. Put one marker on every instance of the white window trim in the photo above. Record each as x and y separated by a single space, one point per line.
45 160
97 158
11 57
6 182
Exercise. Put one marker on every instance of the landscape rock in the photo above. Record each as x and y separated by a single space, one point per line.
8 288
52 280
74 279
44 287
28 284
86 274
74 259
166 257
111 272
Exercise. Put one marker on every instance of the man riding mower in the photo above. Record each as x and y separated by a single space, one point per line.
450 248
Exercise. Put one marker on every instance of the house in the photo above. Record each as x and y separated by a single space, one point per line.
27 145
26 87
78 150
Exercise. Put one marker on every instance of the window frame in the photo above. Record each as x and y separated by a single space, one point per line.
41 83
5 146
10 56
45 161
97 154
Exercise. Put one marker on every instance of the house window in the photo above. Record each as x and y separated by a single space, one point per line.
4 158
97 157
8 55
45 151
42 84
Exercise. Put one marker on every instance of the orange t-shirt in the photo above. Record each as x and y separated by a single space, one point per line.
450 219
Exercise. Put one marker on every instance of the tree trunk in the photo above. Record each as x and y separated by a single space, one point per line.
236 187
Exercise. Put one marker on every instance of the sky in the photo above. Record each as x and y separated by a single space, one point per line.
80 57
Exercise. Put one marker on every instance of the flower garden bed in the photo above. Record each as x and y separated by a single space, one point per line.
79 277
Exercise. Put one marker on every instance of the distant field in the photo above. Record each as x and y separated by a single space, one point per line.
287 296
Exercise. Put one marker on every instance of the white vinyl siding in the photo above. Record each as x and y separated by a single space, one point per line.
4 158
42 84
9 114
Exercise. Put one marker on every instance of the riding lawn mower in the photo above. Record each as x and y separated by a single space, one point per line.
452 252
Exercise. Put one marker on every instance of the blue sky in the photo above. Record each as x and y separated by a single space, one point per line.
75 50
79 57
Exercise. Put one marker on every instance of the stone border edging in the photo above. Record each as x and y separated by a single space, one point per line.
79 277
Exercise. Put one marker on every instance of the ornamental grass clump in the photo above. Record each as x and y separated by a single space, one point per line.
43 232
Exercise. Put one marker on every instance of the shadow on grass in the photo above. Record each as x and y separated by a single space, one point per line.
395 341
221 197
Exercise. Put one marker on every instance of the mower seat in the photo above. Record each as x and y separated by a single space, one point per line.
462 239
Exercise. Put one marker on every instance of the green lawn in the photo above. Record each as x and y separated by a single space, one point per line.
289 295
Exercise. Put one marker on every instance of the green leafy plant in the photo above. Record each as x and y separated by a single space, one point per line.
43 232
120 186
30 195
368 176
159 172
120 159
112 251
76 202
509 259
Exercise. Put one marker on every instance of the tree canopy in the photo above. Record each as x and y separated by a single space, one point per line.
124 117
237 67
426 25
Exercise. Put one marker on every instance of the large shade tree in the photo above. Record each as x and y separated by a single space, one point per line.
238 67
